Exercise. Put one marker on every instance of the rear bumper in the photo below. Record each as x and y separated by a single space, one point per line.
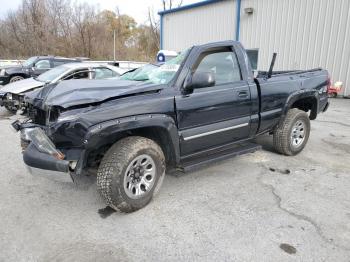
325 107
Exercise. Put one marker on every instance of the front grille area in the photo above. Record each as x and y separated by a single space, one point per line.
38 116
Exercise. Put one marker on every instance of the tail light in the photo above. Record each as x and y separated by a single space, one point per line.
328 83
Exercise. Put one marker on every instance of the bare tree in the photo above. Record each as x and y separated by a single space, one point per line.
168 4
61 27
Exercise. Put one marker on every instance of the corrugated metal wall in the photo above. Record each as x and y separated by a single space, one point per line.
304 33
199 25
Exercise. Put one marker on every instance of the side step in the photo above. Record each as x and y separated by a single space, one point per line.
236 150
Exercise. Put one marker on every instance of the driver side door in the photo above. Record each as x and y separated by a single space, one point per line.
215 115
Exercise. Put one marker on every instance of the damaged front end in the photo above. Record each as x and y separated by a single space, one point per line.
60 117
40 154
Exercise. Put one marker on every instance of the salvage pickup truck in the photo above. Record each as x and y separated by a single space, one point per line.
200 107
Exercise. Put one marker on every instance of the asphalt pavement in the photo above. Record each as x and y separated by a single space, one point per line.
256 207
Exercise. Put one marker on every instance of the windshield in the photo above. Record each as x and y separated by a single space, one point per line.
29 62
52 74
165 73
140 74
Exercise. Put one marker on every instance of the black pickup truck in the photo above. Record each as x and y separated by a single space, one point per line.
199 107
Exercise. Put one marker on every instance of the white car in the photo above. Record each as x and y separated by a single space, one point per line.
11 95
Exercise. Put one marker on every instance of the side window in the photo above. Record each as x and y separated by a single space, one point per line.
253 55
222 63
103 72
77 75
58 63
43 64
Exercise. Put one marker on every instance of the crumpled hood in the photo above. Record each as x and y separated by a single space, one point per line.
79 92
21 86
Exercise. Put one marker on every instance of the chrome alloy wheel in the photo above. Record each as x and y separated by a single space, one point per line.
140 176
16 78
298 133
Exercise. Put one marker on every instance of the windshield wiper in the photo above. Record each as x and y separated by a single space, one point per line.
141 79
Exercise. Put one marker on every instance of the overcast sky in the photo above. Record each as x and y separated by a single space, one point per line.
135 8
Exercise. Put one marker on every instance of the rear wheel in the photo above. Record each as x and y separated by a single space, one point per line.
16 78
130 173
292 135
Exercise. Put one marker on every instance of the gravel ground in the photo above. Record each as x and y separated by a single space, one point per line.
256 207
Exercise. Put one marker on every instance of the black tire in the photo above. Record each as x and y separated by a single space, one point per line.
16 78
113 170
282 137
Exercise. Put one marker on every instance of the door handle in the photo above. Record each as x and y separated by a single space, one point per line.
242 94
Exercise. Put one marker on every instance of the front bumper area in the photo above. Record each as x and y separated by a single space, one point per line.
34 158
41 156
4 80
44 165
12 101
2 95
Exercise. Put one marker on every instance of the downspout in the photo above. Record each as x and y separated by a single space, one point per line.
161 32
238 18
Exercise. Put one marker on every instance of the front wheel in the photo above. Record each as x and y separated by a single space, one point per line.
293 133
16 78
130 173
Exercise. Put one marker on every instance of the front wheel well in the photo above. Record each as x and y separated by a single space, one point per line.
307 104
18 74
158 134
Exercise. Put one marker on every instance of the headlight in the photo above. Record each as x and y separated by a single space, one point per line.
64 118
25 134
38 137
2 72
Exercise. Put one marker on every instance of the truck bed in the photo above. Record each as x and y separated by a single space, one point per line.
275 91
262 74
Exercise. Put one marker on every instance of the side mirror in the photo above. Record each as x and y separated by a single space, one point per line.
33 68
199 79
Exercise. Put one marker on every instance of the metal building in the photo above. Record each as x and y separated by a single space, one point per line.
305 33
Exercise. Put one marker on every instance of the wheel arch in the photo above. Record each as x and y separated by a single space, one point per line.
18 74
306 100
160 128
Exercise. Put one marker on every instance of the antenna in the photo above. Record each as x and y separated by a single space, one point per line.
269 73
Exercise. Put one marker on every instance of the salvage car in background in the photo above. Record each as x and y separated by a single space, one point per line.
202 106
32 67
11 95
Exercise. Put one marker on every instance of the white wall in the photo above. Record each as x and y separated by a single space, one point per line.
199 25
305 34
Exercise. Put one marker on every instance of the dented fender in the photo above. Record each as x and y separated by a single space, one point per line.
111 131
